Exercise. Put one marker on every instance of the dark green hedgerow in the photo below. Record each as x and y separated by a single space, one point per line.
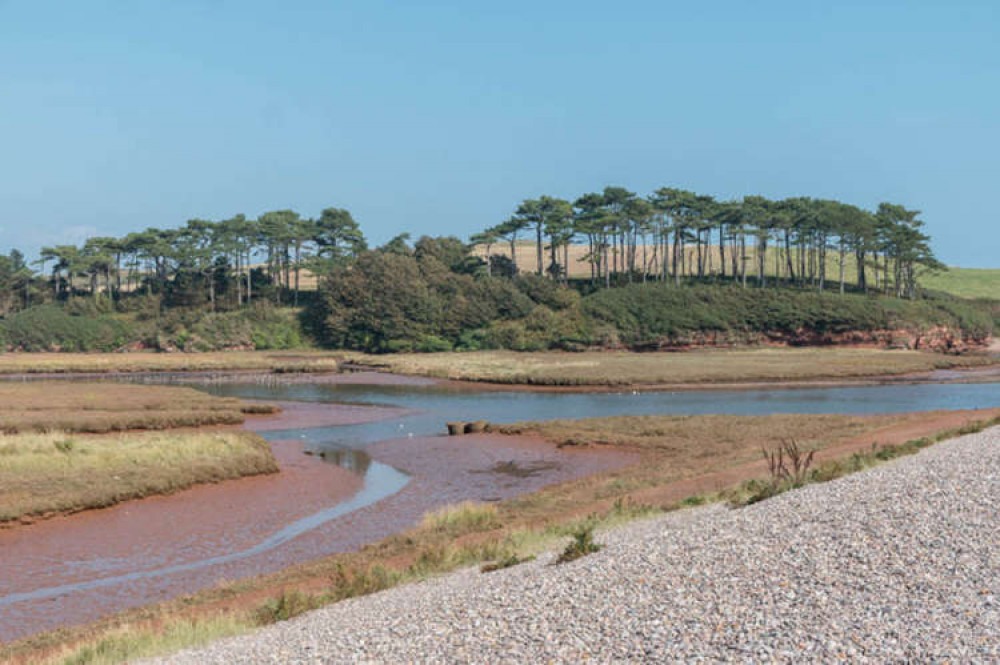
400 302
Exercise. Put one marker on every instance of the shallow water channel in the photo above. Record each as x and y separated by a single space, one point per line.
432 405
402 468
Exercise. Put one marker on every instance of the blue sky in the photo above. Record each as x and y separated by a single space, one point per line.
439 117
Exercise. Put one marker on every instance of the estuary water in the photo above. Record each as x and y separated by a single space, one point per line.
397 464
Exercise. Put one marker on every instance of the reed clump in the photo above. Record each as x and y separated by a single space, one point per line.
60 472
71 406
610 368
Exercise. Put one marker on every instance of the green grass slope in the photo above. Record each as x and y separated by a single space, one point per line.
966 282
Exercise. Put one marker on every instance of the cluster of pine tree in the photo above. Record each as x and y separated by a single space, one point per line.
673 234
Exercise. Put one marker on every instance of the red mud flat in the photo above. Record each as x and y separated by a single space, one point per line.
155 532
130 545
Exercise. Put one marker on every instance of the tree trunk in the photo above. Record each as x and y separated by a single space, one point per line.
238 261
538 231
677 259
743 259
843 258
722 249
298 255
761 259
788 257
249 267
859 255
607 266
211 288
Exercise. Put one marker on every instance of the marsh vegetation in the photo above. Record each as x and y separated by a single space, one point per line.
70 446
59 472
685 461
625 369
110 407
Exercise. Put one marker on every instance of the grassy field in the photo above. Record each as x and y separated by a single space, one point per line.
56 472
271 361
961 282
623 368
109 407
966 282
674 454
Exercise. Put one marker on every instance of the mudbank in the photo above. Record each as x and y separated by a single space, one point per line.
940 339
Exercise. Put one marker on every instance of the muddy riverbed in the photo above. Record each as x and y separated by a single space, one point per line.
377 465
75 569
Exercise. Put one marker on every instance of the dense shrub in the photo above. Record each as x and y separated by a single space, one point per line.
53 328
79 327
388 302
644 313
260 327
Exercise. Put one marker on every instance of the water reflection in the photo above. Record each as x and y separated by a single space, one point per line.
355 461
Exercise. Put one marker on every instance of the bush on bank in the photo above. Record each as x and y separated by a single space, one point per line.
392 302
432 298
87 324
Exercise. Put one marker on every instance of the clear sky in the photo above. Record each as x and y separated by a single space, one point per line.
439 117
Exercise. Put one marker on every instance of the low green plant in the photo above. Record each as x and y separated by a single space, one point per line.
508 562
64 445
286 606
695 500
581 545
361 582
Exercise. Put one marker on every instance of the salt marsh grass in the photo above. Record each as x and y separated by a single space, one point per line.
68 363
109 407
702 367
57 472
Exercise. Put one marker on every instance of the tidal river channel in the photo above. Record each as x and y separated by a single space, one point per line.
380 464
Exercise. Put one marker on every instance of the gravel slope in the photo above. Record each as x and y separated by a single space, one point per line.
900 562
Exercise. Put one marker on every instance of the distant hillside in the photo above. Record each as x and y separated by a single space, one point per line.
966 282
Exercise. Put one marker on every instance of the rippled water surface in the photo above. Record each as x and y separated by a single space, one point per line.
434 404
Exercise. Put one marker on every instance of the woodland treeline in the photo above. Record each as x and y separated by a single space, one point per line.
674 234
671 235
238 258
664 269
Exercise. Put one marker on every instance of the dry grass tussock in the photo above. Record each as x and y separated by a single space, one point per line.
109 407
698 438
702 367
123 643
56 472
464 517
59 363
